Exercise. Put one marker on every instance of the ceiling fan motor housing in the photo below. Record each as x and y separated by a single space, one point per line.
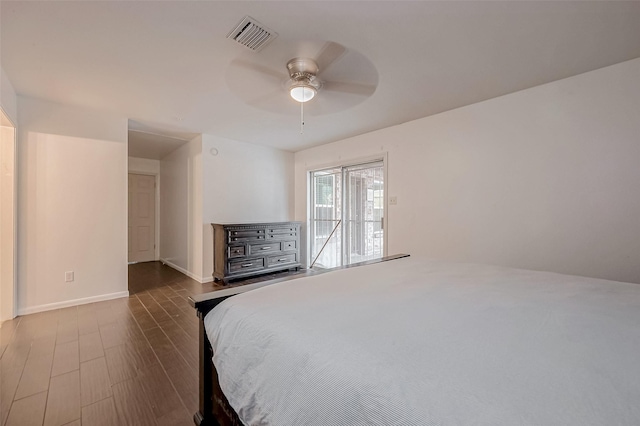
303 71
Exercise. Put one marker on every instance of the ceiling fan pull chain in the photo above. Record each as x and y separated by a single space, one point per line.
301 117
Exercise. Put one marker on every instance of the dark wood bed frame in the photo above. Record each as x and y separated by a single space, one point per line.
214 409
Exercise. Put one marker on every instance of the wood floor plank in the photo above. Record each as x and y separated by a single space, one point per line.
132 404
179 417
66 358
42 346
90 346
63 403
15 355
159 342
159 390
112 334
35 376
9 380
67 331
87 323
104 314
185 380
95 384
152 306
68 314
170 308
121 363
144 319
189 348
181 303
7 331
28 411
101 413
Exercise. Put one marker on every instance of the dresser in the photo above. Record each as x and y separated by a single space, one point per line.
248 249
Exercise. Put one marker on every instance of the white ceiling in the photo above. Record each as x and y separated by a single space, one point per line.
152 145
169 67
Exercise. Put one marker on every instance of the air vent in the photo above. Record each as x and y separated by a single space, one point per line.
252 34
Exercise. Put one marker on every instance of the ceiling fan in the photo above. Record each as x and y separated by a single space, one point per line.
336 78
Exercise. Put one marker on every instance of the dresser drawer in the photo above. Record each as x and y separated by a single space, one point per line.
236 251
281 236
283 230
246 265
256 249
247 235
283 259
288 245
246 238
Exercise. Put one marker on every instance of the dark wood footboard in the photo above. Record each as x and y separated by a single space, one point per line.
214 409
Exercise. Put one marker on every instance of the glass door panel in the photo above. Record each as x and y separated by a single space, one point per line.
346 215
364 198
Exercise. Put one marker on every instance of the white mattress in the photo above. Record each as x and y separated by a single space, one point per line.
418 342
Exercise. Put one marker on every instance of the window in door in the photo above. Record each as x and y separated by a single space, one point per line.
346 214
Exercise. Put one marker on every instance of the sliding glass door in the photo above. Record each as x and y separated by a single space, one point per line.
346 214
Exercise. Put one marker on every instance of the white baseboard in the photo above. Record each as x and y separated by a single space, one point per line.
200 279
74 302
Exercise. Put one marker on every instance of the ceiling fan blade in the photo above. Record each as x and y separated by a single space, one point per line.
252 66
330 53
351 88
267 99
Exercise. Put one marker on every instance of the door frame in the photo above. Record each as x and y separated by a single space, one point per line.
156 252
14 285
352 161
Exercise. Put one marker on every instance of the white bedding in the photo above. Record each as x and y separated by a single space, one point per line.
418 342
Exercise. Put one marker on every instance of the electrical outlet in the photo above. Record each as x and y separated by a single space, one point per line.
68 276
393 200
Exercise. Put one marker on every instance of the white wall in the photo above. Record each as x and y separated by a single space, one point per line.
547 178
8 98
147 166
9 118
243 183
7 222
72 205
181 209
216 180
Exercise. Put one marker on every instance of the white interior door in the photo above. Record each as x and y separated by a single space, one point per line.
142 218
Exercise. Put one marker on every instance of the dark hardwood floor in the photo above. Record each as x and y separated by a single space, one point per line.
128 361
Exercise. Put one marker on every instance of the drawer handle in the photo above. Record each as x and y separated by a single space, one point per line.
265 248
246 265
282 260
236 251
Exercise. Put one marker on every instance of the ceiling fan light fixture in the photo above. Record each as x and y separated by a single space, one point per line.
302 92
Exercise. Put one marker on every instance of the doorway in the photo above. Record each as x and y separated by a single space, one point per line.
346 217
142 218
7 218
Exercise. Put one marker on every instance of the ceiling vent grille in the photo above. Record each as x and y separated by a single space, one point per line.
252 34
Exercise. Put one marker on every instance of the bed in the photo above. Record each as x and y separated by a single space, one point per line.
421 342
